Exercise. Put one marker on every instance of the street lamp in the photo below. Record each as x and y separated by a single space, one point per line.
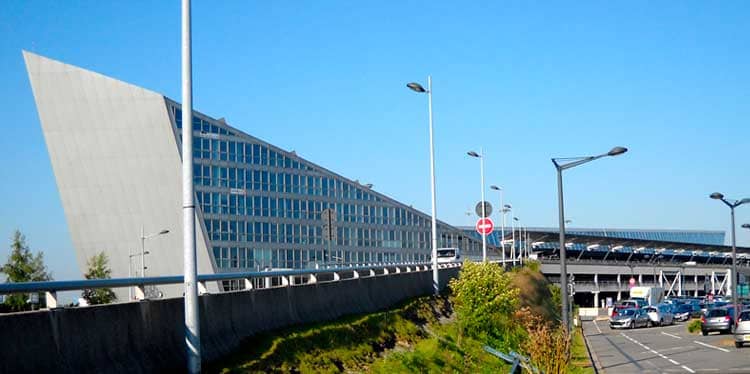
732 204
416 87
746 226
143 251
130 271
568 163
502 227
516 253
480 156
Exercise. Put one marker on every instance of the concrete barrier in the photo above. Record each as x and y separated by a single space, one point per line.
147 336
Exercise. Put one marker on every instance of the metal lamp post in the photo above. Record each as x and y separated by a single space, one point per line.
502 227
516 254
480 156
143 250
732 204
190 262
506 208
130 272
563 164
416 87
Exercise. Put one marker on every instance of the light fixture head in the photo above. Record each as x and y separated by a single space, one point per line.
617 151
717 196
162 232
473 154
496 188
416 87
746 225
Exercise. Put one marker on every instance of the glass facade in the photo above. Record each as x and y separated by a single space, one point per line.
261 208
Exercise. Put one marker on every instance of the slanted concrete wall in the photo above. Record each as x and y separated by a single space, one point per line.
148 336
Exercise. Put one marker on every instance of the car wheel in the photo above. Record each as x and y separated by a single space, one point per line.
738 344
731 328
704 332
649 323
661 323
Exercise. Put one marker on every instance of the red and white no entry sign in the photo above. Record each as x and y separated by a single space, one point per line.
485 226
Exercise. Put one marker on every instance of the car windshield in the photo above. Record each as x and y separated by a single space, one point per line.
717 312
626 312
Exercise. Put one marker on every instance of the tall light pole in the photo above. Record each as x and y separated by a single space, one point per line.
517 223
480 156
190 263
563 164
416 87
506 208
733 204
143 250
502 227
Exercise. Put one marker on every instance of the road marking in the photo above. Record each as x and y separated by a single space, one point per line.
660 354
668 334
597 327
711 346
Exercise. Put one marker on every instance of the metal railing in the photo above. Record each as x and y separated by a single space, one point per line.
288 277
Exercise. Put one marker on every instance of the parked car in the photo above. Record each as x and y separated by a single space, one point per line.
660 315
742 330
684 312
718 319
629 318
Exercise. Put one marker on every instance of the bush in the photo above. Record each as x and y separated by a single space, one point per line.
485 301
694 326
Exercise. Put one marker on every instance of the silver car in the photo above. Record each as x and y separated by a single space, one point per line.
660 315
629 318
719 319
742 330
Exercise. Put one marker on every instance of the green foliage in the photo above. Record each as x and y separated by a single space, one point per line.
98 268
485 301
441 353
694 326
22 266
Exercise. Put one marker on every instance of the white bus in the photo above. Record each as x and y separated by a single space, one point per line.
448 255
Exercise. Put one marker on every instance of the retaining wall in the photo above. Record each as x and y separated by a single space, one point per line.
147 336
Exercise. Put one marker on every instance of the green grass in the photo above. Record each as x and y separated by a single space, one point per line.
441 353
580 362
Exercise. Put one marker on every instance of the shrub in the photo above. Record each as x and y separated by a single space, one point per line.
486 300
694 326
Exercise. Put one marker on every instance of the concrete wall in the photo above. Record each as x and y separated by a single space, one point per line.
148 336
117 167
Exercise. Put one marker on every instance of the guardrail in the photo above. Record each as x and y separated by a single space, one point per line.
285 278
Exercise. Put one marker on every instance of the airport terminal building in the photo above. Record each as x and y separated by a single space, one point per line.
115 152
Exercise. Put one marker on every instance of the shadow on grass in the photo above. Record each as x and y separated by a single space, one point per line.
350 343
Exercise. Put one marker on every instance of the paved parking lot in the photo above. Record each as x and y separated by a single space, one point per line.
669 349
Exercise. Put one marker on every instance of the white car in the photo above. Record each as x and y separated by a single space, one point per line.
660 315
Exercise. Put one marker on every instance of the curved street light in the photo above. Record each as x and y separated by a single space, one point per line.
416 87
502 227
480 156
732 204
564 164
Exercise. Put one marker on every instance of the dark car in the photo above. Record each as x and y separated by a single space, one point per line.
718 319
684 312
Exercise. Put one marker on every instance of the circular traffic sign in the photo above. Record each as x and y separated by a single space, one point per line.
484 226
487 209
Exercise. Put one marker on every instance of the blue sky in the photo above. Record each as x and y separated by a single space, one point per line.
525 80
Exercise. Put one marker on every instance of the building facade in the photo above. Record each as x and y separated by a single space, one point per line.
115 152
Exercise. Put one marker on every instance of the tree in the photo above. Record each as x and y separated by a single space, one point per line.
98 268
22 266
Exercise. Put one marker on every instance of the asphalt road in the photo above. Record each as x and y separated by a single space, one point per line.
669 349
